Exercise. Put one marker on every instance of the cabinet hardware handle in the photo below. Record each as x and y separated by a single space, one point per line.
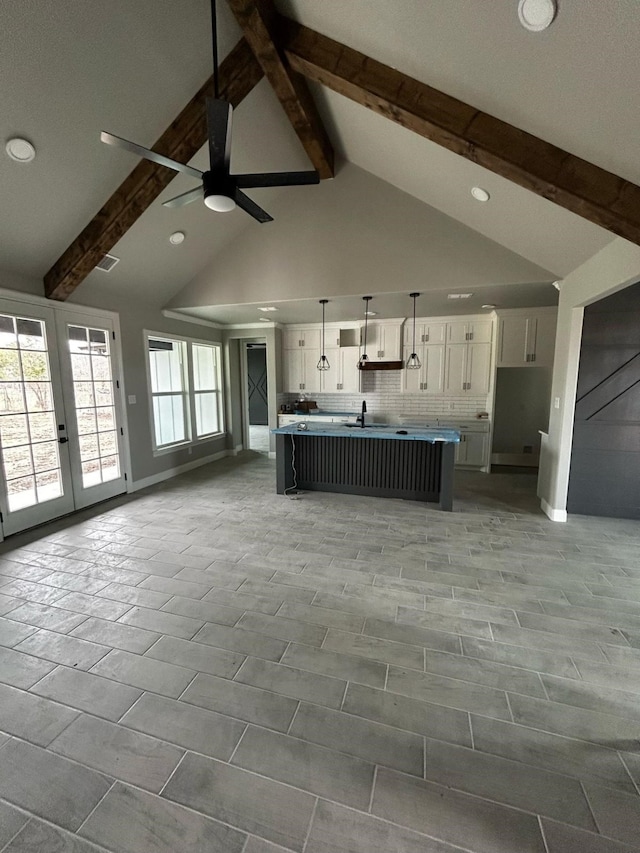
470 336
425 337
533 356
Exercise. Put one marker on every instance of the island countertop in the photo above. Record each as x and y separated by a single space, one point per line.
389 431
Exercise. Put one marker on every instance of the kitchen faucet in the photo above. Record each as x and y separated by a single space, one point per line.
360 419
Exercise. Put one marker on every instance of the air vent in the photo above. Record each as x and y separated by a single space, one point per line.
107 263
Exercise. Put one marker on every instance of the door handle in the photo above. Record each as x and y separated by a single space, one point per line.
63 440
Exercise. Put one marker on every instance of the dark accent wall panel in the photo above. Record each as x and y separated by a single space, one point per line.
605 458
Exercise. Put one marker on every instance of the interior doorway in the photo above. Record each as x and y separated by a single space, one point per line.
257 397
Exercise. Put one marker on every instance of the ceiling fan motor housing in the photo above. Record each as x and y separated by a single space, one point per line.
218 183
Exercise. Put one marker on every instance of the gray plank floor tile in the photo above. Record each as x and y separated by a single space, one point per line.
241 701
116 636
558 753
132 821
20 670
325 662
289 681
592 697
279 592
316 769
12 633
610 675
485 672
520 656
243 601
283 629
45 616
244 642
561 838
444 622
450 692
572 628
198 656
617 814
454 817
31 717
76 583
266 808
126 755
508 782
87 692
48 785
413 636
411 715
549 642
11 592
185 725
80 602
336 829
61 648
259 845
144 672
161 622
134 595
322 616
374 607
373 648
39 836
204 611
462 609
11 821
171 586
373 742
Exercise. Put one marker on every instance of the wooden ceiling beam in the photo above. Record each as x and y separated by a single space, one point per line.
184 137
573 183
257 21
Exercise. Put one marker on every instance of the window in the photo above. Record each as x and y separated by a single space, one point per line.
185 385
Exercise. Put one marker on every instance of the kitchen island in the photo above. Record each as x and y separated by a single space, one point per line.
379 460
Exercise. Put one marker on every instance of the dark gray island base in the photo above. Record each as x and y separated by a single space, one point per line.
415 465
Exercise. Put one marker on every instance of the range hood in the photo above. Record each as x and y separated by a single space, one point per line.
381 365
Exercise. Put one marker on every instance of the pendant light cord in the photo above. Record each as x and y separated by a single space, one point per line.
323 303
214 40
414 324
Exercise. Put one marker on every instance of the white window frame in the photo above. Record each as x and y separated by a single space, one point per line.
189 393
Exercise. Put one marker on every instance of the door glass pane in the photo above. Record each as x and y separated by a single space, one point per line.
28 431
94 403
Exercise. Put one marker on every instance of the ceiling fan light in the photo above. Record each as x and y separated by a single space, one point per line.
220 203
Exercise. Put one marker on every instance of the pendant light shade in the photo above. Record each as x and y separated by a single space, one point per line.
323 361
413 362
364 358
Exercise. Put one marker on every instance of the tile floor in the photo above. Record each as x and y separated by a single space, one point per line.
206 666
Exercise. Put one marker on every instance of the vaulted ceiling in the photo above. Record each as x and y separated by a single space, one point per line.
69 69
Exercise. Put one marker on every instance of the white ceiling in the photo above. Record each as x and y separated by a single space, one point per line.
69 69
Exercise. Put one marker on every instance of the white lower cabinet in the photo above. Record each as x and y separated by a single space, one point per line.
472 450
430 377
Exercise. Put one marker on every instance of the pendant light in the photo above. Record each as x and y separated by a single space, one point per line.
323 361
413 362
364 358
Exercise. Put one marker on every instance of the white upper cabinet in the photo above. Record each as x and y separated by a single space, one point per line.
343 374
384 341
527 338
472 331
301 372
468 368
430 377
301 338
427 332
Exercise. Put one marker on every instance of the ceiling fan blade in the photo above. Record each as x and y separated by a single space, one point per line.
110 139
276 179
252 208
184 198
219 116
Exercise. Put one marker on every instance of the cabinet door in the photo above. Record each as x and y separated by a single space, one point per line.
478 368
545 341
413 380
291 338
293 371
512 346
475 443
432 358
457 333
383 342
311 376
480 331
456 368
311 338
330 379
433 333
349 374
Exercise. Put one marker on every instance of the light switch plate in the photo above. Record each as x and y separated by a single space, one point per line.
131 399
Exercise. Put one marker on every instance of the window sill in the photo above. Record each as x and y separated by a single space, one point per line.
187 445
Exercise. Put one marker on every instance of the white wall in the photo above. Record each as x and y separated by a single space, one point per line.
614 267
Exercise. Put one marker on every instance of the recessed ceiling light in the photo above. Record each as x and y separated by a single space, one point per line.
371 313
479 194
264 319
459 295
536 15
20 150
268 308
488 305
176 238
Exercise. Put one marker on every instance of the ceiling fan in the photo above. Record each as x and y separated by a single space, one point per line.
220 190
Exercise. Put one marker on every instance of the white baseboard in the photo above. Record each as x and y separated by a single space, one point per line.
136 485
237 449
272 454
550 512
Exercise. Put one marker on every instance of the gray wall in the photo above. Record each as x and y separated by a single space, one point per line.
521 408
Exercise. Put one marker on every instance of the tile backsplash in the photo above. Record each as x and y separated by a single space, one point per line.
386 402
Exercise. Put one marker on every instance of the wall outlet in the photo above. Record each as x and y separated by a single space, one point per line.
556 402
131 399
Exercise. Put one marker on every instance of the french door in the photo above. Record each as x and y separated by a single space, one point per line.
60 422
